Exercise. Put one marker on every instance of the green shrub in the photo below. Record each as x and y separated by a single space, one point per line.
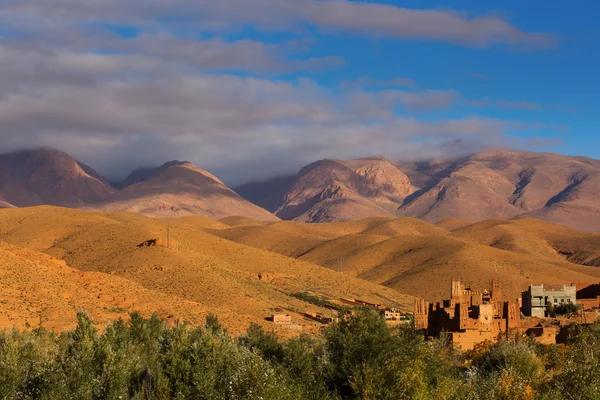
359 357
566 309
317 301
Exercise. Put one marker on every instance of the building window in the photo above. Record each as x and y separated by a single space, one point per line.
555 300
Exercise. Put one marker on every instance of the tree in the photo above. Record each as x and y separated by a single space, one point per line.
566 309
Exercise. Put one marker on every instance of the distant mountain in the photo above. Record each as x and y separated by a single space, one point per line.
138 175
505 184
5 204
486 185
492 184
334 190
267 194
46 176
179 189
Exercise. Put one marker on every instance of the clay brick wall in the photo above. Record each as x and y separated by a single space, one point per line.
282 319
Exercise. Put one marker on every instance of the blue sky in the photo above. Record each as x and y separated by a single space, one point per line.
265 86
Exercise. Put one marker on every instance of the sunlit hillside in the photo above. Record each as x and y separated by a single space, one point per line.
57 260
420 258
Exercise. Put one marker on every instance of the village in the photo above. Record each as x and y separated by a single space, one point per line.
340 308
470 317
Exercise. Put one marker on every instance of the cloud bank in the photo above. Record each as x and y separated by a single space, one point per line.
71 80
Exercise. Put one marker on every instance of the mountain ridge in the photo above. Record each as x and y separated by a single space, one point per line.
499 183
48 176
178 189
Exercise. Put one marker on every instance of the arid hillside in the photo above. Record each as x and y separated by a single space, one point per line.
54 261
487 185
39 290
420 258
176 189
493 184
5 204
37 177
179 189
505 184
333 190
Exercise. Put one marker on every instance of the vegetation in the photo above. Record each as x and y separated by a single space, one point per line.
356 358
304 296
566 309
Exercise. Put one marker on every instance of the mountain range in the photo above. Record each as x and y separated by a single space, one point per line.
493 184
175 189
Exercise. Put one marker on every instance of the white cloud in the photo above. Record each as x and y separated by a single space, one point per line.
355 17
238 127
118 103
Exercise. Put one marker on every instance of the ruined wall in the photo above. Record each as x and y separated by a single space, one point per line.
468 339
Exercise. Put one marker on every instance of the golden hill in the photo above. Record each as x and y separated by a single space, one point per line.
179 189
199 273
38 290
420 259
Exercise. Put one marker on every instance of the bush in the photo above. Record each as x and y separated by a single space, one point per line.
359 357
566 309
304 296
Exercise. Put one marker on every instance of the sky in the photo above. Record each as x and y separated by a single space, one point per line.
251 89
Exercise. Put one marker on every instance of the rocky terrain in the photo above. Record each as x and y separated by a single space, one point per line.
505 184
179 189
333 190
37 177
493 184
176 189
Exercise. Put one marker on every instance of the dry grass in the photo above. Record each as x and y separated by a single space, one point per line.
201 273
420 259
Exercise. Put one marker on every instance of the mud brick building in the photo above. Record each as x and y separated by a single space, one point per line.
469 316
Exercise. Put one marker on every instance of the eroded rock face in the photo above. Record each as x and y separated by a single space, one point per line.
382 179
508 183
51 177
37 177
333 190
493 184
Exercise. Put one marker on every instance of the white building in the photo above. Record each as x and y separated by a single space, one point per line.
537 299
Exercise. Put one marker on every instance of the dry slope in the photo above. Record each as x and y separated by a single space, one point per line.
480 186
198 273
333 190
419 258
36 177
181 189
505 184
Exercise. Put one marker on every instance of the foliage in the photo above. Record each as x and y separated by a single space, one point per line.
359 357
566 309
304 296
